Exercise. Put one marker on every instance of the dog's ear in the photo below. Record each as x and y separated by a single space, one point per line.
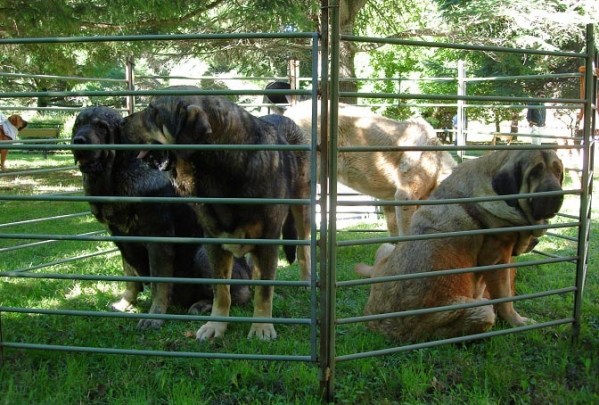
193 124
112 131
508 181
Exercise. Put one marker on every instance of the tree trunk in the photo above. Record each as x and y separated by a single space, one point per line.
348 11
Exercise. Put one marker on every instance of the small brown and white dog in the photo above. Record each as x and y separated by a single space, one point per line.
9 128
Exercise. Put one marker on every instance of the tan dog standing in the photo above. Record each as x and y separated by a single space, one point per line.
500 173
8 132
386 175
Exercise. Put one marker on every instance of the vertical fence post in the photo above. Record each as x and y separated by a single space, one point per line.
460 138
328 161
586 180
130 78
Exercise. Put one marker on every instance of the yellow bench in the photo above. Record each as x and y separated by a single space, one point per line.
40 131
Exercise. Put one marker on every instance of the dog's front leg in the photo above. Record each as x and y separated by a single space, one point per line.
221 263
132 290
264 259
499 285
161 257
391 218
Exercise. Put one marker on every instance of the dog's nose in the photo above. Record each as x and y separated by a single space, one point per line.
80 140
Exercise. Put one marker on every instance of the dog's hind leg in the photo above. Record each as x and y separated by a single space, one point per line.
132 290
461 322
264 259
301 216
221 263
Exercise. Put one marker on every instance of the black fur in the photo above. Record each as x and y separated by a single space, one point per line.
119 173
261 172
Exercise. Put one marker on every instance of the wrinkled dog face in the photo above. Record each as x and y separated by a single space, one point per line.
533 172
95 126
547 174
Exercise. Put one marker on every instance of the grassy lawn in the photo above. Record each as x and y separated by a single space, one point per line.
535 367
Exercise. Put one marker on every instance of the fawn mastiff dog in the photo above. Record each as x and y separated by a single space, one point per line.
499 173
256 173
119 173
9 128
385 174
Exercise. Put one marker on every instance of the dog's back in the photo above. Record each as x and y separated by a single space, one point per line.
385 174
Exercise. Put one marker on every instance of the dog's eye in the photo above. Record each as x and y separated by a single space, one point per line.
538 169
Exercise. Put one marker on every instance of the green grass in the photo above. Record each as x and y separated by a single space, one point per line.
534 367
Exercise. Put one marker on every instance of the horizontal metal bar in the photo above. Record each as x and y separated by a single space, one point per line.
524 77
464 200
172 317
456 97
43 242
18 272
156 239
423 311
449 272
162 37
121 93
461 339
46 219
195 355
155 200
441 235
148 279
427 44
37 144
78 78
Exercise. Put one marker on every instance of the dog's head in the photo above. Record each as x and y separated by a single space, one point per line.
159 123
532 171
183 119
17 121
95 126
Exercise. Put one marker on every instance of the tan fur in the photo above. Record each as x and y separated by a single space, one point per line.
18 123
386 175
500 173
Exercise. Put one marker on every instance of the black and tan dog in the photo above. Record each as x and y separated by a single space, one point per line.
119 173
8 130
255 173
500 173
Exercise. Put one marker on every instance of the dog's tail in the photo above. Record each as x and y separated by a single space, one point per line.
289 232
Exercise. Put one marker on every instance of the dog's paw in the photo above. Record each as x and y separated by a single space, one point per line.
263 331
517 320
211 330
528 321
150 324
200 307
122 305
